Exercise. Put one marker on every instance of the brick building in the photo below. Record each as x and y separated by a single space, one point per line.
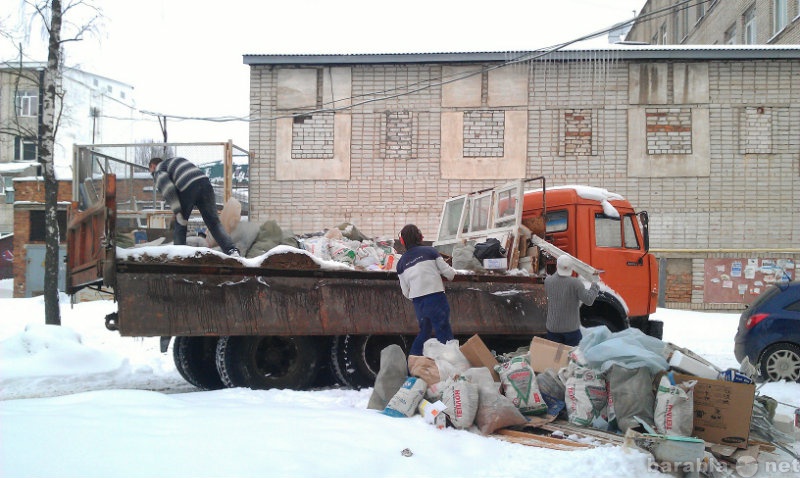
732 22
29 230
705 139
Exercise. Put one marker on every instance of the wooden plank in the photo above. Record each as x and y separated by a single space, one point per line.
569 429
540 441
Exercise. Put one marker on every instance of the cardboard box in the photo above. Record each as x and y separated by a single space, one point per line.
722 410
479 355
546 354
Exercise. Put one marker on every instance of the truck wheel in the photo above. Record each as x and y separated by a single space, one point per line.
268 361
596 321
781 362
195 359
356 359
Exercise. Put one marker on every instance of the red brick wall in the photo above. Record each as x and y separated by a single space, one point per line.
679 281
29 191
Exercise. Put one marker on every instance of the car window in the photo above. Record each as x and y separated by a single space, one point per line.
794 306
772 290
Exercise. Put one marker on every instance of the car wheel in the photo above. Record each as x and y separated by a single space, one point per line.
781 362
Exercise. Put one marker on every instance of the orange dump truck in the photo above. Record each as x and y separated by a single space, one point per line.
285 320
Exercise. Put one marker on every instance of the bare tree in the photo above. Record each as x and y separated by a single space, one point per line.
149 150
51 14
52 77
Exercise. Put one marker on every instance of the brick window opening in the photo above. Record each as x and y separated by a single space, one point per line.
312 137
578 132
484 133
669 131
756 134
399 135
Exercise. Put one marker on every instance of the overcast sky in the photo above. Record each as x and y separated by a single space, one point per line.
184 58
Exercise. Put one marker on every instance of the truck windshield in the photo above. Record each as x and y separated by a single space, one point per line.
615 232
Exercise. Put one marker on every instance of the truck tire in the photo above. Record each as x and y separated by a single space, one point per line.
655 328
195 359
356 359
265 362
596 321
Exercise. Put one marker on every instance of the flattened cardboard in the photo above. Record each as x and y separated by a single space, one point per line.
479 355
546 354
722 410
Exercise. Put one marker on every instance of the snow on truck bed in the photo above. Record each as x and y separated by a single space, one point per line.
280 257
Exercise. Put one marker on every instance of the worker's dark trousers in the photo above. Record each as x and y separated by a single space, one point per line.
433 314
201 194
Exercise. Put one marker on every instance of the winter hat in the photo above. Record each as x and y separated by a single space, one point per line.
564 266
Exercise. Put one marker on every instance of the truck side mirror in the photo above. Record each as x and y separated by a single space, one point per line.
645 220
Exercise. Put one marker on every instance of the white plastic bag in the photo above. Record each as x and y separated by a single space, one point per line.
448 357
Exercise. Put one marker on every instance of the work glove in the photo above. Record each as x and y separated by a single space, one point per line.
595 278
181 220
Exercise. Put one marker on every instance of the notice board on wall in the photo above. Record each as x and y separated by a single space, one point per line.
741 280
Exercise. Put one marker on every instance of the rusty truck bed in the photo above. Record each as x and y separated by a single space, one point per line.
219 300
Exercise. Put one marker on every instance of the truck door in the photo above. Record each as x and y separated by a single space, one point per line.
618 250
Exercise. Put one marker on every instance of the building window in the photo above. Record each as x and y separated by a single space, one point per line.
780 15
25 149
27 103
682 26
663 31
730 35
108 88
701 11
750 26
122 94
654 40
37 229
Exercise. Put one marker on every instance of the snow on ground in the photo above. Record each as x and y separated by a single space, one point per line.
79 400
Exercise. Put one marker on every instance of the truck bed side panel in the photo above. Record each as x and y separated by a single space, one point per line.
153 303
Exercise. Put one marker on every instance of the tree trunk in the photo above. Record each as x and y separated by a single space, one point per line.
52 77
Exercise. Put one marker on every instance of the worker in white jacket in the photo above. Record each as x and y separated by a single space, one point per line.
420 270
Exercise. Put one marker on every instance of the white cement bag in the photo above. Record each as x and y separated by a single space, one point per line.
587 399
404 403
461 398
519 385
674 413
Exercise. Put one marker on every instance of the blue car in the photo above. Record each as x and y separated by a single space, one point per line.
769 333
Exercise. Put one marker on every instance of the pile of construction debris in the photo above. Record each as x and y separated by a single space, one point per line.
623 389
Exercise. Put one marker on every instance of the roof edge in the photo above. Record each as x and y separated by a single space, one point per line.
712 52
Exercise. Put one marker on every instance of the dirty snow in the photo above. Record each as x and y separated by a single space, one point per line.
80 401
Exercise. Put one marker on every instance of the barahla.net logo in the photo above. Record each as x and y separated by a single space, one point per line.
745 467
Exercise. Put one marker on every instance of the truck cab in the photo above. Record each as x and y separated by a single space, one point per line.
602 229
599 228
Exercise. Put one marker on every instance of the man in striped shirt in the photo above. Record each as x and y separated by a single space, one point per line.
184 186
